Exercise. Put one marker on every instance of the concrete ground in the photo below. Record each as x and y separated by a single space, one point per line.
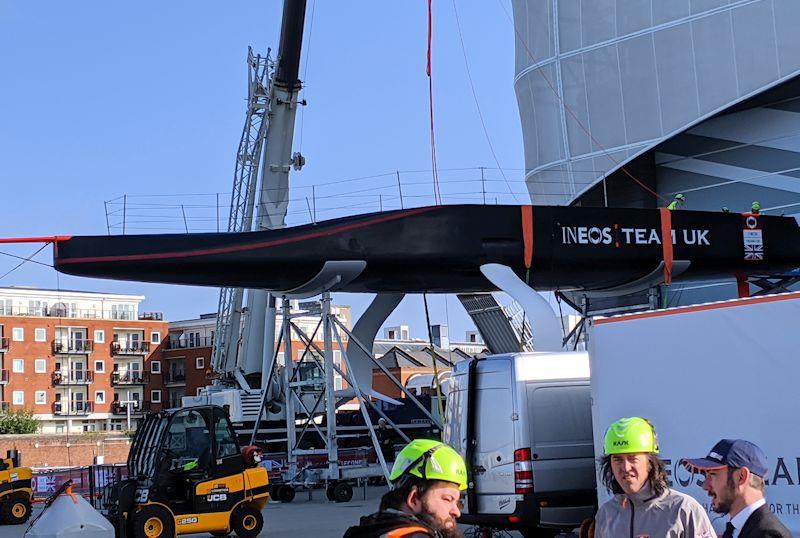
317 518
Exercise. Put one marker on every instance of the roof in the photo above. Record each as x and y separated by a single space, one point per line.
381 347
406 358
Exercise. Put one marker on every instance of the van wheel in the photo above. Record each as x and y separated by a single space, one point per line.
15 510
153 522
247 521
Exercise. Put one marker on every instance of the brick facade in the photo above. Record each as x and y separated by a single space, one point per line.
80 379
50 451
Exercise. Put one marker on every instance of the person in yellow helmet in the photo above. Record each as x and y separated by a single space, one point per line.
677 202
643 504
427 479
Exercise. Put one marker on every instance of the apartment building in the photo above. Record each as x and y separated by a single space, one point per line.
81 361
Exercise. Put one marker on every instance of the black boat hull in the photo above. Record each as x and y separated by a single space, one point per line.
441 249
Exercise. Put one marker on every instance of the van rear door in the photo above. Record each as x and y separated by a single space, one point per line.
562 445
493 461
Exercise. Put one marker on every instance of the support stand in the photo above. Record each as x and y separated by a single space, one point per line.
310 386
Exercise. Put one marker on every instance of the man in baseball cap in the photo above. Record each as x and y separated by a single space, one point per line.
734 479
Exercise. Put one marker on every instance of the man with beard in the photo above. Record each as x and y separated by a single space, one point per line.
427 480
734 479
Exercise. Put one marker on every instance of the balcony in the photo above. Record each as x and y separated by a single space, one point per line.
64 346
131 377
5 375
4 343
174 379
188 343
75 407
130 348
72 377
137 408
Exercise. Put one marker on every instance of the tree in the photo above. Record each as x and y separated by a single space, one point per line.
18 421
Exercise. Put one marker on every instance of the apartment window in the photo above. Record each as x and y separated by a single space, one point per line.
122 311
155 396
18 334
199 390
18 366
40 366
99 337
18 397
40 335
7 307
99 367
155 337
155 367
100 396
200 363
41 397
391 335
37 308
59 428
89 426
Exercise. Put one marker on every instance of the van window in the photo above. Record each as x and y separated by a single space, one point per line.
562 416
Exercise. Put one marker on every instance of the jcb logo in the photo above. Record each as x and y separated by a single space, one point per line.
217 497
141 496
187 520
620 443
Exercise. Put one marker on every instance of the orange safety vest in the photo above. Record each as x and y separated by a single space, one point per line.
406 531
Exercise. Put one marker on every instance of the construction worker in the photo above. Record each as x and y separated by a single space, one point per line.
427 479
677 202
755 208
643 504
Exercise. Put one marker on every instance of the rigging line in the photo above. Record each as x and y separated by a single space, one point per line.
435 174
23 262
21 258
305 71
475 99
571 112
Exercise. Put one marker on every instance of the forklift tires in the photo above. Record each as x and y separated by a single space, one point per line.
153 522
247 521
15 510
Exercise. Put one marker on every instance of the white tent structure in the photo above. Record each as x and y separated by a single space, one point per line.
68 516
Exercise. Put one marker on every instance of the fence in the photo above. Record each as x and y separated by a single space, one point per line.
90 482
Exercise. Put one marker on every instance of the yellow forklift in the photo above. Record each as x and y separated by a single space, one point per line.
15 490
187 474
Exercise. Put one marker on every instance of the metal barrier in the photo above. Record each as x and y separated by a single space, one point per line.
91 482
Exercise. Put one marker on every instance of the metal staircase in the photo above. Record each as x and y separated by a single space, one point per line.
504 329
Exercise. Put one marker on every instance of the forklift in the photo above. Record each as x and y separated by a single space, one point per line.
187 474
15 490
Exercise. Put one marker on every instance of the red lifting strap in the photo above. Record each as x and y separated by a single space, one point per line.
666 243
527 234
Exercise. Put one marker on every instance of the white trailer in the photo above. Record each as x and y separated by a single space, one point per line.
703 373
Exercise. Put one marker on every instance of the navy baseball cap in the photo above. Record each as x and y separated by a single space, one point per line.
731 453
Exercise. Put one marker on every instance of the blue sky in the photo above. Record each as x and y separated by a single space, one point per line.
102 99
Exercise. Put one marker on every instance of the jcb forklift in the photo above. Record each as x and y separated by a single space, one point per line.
187 474
15 490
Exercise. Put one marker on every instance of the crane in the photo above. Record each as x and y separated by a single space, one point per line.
246 346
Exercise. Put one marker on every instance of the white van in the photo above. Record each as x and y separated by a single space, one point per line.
531 461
